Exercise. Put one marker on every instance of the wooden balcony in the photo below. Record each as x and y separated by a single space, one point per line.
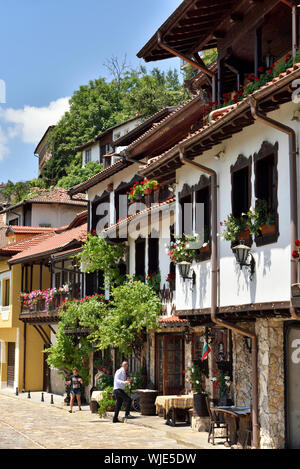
39 313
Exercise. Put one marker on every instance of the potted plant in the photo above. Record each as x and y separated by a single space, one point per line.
171 279
236 229
150 185
194 377
267 218
222 384
153 280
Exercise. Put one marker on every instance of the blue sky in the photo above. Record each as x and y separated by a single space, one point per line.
51 47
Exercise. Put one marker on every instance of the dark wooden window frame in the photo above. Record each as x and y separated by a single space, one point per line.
241 163
203 183
124 186
94 205
268 149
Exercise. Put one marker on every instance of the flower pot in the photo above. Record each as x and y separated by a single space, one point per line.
268 229
148 191
224 401
244 236
155 188
200 405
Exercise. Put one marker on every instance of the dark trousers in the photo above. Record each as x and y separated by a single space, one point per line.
121 397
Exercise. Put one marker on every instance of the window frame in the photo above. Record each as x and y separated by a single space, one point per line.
267 149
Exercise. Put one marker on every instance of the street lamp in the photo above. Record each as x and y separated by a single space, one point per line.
242 253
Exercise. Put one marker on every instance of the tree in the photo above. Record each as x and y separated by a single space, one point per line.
101 104
19 191
133 311
77 174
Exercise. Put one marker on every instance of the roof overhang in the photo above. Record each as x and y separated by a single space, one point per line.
231 121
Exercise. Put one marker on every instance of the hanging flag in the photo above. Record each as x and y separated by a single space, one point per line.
206 350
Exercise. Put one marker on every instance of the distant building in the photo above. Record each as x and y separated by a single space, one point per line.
43 151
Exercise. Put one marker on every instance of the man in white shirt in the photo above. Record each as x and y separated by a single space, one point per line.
120 382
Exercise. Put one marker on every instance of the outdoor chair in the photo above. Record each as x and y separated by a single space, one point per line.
216 423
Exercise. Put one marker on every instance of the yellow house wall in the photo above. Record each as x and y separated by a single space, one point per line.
13 331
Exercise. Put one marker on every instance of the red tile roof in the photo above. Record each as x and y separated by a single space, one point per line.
24 244
142 212
52 244
29 229
172 320
222 112
58 195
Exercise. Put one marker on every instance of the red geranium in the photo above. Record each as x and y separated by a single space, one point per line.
297 242
295 254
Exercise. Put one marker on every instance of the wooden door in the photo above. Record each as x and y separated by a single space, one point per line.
170 364
11 364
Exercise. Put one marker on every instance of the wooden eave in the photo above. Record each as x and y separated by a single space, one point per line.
269 97
197 25
169 131
245 312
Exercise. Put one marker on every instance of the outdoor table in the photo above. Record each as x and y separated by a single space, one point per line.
172 406
97 395
239 422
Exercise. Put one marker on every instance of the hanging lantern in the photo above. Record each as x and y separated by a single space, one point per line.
242 253
184 269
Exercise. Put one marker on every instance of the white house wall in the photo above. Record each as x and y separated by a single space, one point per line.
55 215
95 153
271 281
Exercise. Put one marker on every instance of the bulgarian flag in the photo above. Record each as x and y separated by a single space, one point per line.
206 350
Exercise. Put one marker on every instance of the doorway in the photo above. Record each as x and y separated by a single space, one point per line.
169 364
11 348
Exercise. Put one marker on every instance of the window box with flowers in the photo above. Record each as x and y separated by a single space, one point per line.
185 249
257 222
43 300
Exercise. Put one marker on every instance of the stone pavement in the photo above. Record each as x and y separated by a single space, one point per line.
30 423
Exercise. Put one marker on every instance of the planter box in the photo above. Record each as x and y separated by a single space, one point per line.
268 229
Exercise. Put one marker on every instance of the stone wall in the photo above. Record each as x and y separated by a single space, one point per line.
271 382
242 368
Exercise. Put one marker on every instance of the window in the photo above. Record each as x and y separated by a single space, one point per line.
100 210
241 186
6 291
202 210
266 179
153 255
186 210
14 222
140 251
88 156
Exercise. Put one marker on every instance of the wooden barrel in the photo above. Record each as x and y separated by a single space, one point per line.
94 406
147 402
200 406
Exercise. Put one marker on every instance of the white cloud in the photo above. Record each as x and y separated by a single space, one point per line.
30 123
4 150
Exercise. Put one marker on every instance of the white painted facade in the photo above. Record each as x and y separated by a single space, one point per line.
126 176
271 281
52 215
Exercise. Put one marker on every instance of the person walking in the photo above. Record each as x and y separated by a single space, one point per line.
120 382
75 382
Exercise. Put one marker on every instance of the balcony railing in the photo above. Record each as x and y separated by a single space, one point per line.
40 306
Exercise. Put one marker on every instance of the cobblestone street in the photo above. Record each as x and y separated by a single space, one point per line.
30 425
